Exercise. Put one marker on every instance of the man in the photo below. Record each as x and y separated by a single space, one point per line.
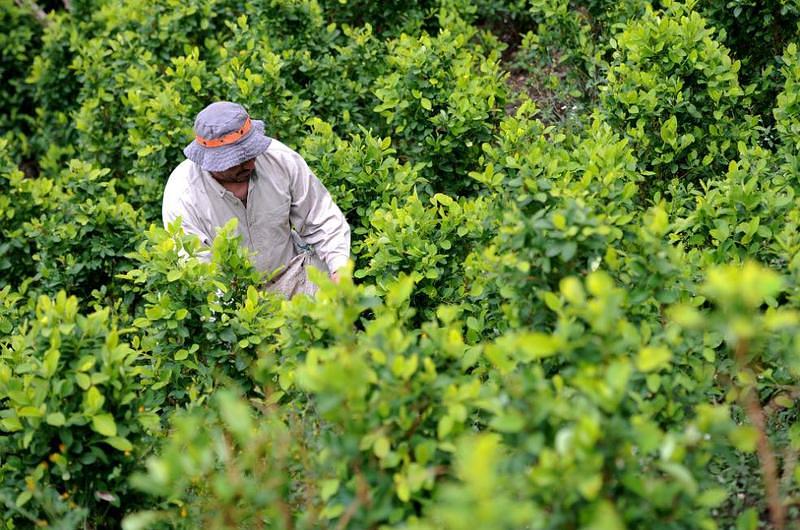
233 170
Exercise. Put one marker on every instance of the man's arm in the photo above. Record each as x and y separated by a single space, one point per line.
173 207
316 218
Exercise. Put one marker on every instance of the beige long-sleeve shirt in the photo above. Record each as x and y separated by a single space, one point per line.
283 195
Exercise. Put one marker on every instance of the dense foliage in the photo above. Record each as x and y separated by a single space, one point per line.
574 299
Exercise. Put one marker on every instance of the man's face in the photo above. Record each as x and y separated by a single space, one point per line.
240 173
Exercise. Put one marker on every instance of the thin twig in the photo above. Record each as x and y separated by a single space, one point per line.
417 422
766 456
286 513
362 499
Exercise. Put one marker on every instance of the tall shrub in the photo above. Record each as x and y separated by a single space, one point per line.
674 91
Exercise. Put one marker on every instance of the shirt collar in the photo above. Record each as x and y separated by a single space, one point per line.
218 188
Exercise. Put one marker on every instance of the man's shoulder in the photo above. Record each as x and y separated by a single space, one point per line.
184 174
182 180
185 171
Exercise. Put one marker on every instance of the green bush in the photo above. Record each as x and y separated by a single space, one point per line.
361 173
388 18
441 97
347 61
55 86
227 465
197 310
18 43
561 210
562 34
70 231
739 216
428 243
745 331
389 421
559 389
674 91
73 417
756 33
377 423
787 110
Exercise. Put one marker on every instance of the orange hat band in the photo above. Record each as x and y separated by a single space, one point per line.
229 138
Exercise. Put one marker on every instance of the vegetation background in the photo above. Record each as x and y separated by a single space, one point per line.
575 295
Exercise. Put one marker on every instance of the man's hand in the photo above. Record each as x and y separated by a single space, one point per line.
335 277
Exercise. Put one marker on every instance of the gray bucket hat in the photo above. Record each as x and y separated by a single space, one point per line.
225 137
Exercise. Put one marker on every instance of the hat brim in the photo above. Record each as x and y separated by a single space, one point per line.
227 156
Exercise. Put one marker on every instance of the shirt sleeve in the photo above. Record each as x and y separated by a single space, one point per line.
316 218
172 208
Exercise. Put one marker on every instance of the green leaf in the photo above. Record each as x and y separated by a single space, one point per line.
711 498
653 382
444 427
236 415
402 489
104 424
30 412
686 315
651 358
552 301
747 520
599 283
604 516
140 520
23 498
83 380
559 221
11 424
669 131
328 488
744 438
536 345
120 443
572 290
93 401
50 363
590 486
56 419
425 451
400 291
149 420
682 475
510 421
381 447
448 313
86 363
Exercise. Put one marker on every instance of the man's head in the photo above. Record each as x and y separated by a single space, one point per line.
227 141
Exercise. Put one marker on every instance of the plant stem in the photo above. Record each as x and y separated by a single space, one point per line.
766 456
